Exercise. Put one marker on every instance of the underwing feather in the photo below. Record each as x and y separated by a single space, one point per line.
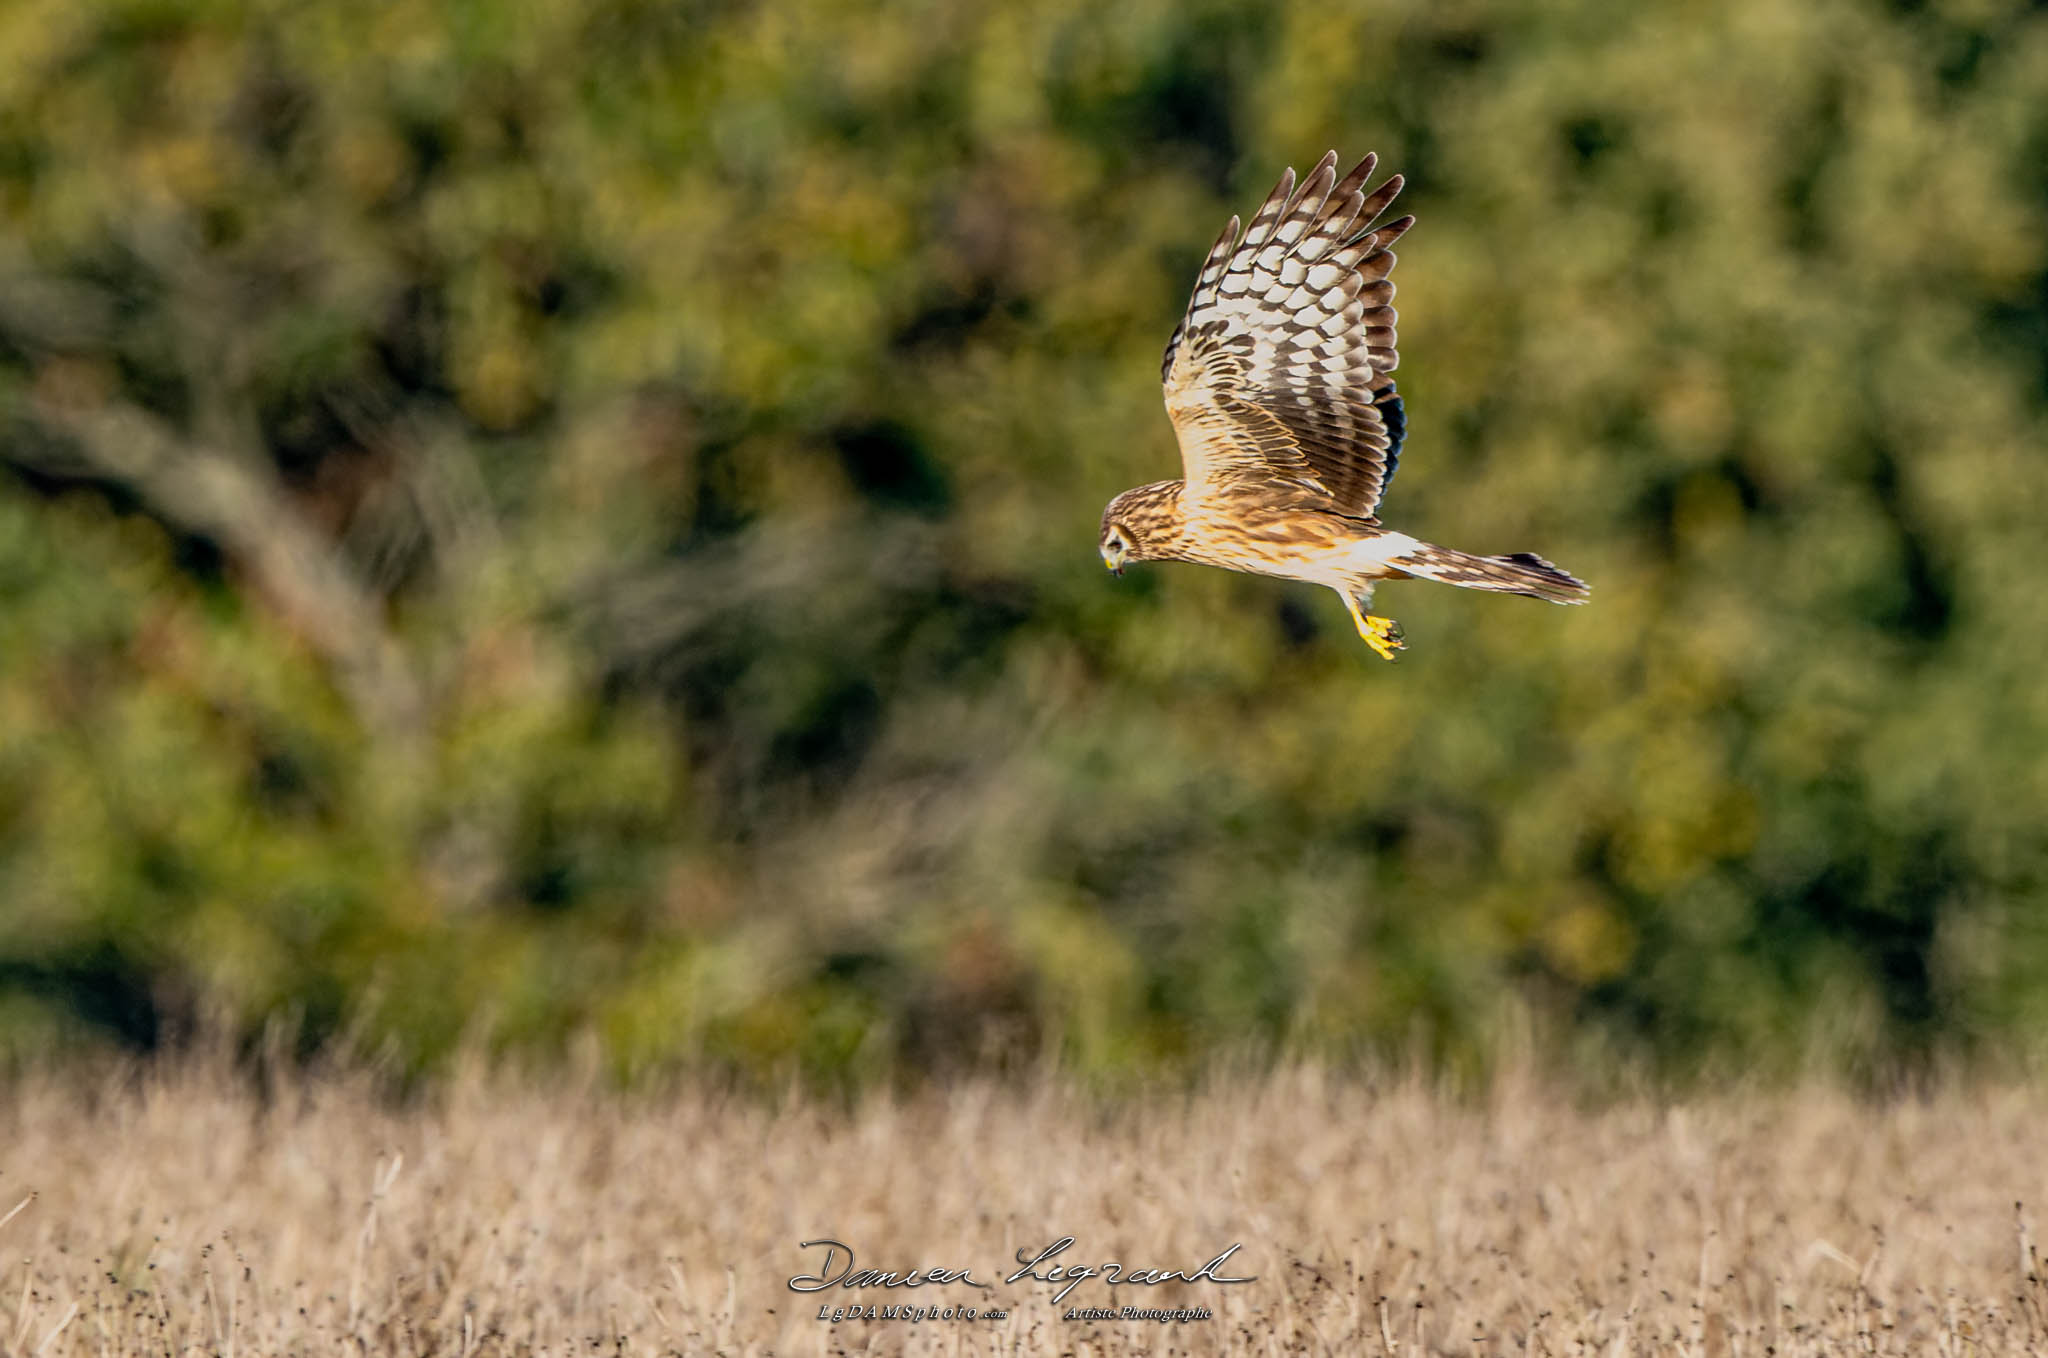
1279 368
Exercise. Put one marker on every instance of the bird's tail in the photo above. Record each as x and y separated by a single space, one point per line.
1521 573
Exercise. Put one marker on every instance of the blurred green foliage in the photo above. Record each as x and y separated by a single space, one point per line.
525 520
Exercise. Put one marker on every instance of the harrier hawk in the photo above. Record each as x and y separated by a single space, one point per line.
1278 383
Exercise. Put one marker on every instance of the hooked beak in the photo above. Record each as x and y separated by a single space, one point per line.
1114 560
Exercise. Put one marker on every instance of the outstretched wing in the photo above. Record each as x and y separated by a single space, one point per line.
1280 371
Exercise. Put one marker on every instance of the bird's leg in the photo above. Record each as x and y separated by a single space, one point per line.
1382 634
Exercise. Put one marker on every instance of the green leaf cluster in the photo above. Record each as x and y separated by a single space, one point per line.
566 518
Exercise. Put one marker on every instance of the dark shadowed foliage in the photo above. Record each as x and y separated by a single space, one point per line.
519 521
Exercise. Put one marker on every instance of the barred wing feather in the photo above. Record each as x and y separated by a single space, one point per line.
1279 375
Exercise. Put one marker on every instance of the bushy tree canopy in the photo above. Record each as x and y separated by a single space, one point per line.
569 516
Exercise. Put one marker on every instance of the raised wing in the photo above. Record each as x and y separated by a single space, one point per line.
1280 369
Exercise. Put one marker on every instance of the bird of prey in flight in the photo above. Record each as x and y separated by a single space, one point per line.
1279 384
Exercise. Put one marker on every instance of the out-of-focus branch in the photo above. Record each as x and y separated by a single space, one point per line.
637 616
239 504
437 490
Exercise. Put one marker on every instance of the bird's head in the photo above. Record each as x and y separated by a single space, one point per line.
1137 525
1116 546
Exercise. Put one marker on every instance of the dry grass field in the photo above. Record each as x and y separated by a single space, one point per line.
184 1213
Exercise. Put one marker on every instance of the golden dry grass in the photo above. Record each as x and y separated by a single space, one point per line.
179 1213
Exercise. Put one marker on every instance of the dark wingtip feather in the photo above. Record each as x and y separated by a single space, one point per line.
1393 231
1377 201
1270 212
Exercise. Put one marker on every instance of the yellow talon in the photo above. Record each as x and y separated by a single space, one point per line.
1382 634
